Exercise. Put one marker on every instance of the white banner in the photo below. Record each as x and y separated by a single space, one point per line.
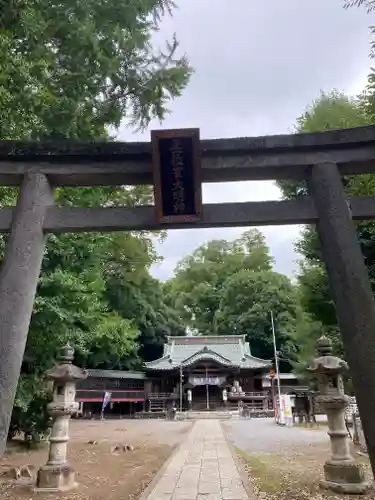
106 399
206 380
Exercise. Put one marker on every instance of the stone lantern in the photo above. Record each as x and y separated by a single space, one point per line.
57 475
341 473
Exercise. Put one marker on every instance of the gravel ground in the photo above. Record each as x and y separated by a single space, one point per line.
155 432
262 436
101 473
284 463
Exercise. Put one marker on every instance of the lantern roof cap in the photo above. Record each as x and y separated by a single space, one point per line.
66 353
325 362
324 346
64 370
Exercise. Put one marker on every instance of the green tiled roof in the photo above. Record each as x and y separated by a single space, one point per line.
230 350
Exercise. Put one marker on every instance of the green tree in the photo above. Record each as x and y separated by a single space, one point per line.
369 4
96 292
71 301
196 289
144 304
247 299
113 345
72 69
228 287
329 111
368 95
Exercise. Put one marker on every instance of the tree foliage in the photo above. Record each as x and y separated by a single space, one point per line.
70 69
144 303
74 70
228 287
247 299
368 4
199 278
329 111
368 95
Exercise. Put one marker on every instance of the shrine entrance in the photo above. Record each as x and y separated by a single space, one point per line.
176 162
207 390
206 398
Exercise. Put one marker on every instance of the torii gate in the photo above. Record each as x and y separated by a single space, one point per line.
320 158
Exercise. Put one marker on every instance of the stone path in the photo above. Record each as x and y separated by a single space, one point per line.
202 469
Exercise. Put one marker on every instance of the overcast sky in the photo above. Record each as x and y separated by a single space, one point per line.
258 64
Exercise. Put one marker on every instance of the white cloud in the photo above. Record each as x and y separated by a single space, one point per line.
258 64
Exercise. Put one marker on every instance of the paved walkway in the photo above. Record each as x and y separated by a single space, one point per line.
202 469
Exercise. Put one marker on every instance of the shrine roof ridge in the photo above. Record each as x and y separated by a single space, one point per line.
203 338
227 350
64 150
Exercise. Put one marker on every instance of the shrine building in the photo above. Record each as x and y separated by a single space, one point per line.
199 373
211 371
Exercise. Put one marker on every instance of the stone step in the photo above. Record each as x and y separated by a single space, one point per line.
213 415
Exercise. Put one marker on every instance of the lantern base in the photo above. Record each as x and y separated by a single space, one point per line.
346 478
55 478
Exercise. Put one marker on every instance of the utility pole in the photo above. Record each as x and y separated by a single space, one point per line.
207 392
279 412
181 384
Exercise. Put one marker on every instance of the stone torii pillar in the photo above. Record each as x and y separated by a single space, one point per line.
19 275
350 288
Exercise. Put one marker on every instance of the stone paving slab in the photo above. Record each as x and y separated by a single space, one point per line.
202 469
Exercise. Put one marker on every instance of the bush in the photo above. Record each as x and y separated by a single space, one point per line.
31 419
